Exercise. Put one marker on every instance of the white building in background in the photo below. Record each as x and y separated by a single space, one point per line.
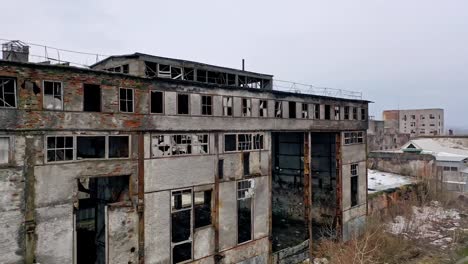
416 122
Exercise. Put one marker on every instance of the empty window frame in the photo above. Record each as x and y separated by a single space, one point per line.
90 147
305 111
355 116
278 109
316 111
202 208
176 73
53 95
181 225
346 113
354 184
353 138
59 148
201 76
180 144
245 191
246 107
363 114
183 104
431 116
119 147
157 102
242 142
207 105
327 112
337 112
4 150
227 105
7 92
231 79
150 69
126 100
263 108
164 71
189 74
91 98
292 109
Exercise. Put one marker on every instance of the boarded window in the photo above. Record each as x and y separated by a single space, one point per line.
246 107
157 102
227 105
91 98
7 92
126 100
119 147
278 109
292 109
202 208
53 95
244 210
90 147
207 105
263 108
183 105
59 148
4 150
327 112
354 185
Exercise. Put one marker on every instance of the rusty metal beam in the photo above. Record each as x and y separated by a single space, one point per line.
339 187
141 198
308 190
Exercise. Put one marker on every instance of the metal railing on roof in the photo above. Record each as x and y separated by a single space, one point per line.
294 87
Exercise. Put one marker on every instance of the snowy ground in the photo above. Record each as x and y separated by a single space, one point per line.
379 181
432 223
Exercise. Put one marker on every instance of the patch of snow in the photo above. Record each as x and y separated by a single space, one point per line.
379 181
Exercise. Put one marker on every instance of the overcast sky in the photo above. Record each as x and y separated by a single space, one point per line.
399 53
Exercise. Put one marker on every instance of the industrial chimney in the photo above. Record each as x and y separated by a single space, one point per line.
15 50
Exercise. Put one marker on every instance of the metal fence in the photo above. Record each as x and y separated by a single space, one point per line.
293 87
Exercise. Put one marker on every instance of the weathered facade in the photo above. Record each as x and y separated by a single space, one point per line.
416 122
382 137
156 165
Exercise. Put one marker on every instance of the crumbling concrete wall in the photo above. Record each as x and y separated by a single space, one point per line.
408 164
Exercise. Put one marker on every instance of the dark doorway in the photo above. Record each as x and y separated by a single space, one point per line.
93 197
91 98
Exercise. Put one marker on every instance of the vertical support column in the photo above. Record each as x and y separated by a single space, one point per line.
29 196
270 206
216 200
141 198
307 190
339 187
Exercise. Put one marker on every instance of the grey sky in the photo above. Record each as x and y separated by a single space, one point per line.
399 53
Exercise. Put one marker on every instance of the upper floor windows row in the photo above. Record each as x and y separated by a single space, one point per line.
186 103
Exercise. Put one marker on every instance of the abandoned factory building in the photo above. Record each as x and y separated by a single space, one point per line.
144 159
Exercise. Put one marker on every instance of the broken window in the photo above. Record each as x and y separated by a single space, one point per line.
337 113
227 105
242 81
207 105
263 108
305 111
150 69
126 100
245 191
119 146
327 112
230 143
316 111
258 141
90 147
431 116
292 109
183 104
231 79
201 76
59 148
278 109
354 185
353 138
202 208
53 95
164 71
189 74
363 114
181 225
244 141
91 98
182 144
176 73
125 68
246 163
157 102
217 78
346 112
246 107
4 150
355 113
7 92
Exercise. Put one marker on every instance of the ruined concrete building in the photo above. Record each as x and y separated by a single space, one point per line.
416 122
143 159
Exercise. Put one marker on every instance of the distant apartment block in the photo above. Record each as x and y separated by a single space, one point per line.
416 122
